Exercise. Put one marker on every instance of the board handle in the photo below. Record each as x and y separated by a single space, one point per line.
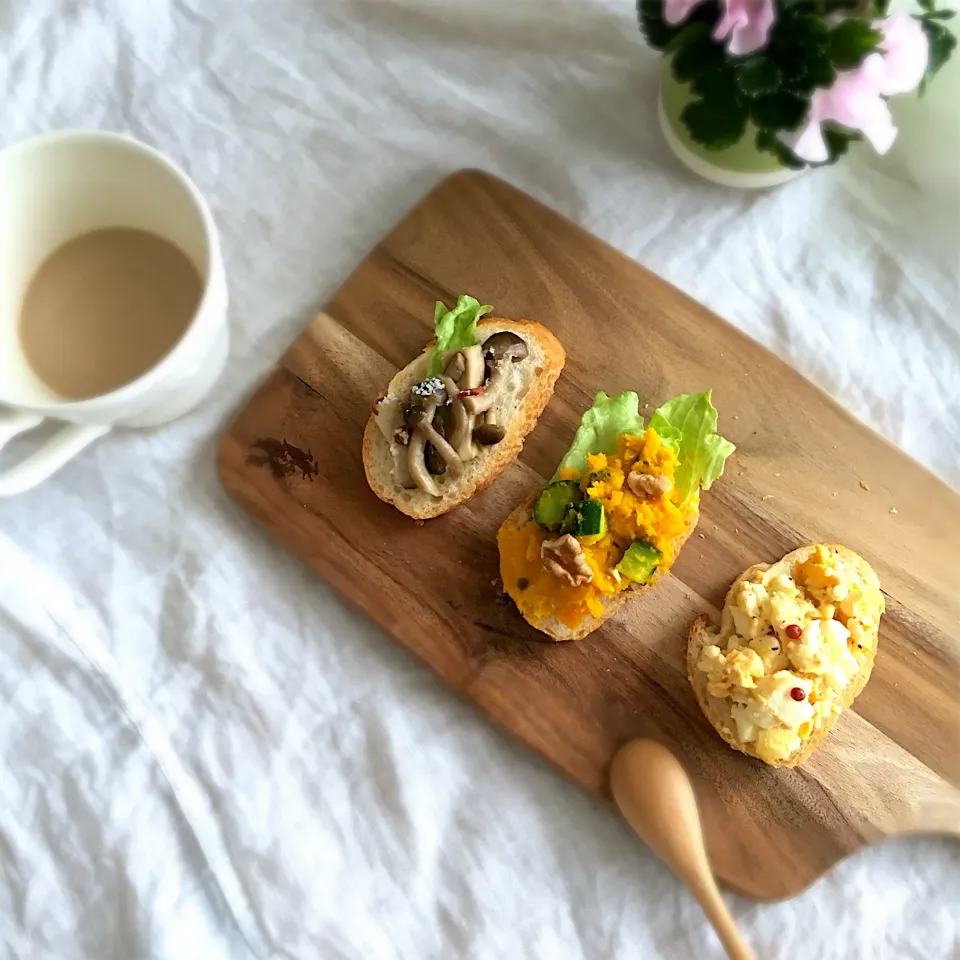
656 798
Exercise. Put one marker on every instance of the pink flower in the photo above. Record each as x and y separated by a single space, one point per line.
856 99
906 51
746 22
853 101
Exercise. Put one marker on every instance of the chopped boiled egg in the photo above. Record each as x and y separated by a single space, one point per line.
792 637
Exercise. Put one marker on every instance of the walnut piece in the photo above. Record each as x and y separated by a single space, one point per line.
649 486
564 558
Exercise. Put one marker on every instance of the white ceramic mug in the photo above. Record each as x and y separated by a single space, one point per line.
54 188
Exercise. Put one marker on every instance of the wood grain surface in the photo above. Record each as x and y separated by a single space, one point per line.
804 470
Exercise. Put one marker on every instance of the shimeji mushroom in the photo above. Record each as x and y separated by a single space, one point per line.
487 434
426 397
460 437
498 351
464 372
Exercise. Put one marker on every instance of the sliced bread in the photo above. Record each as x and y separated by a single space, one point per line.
527 390
718 709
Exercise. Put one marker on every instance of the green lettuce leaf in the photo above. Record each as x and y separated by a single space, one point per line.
607 419
690 422
455 329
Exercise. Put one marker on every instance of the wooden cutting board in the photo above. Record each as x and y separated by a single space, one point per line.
804 470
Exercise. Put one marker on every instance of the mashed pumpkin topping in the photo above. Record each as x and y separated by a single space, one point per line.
792 638
624 497
650 510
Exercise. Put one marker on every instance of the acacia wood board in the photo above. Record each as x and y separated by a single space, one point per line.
805 470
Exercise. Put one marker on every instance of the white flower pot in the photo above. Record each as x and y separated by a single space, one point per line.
741 165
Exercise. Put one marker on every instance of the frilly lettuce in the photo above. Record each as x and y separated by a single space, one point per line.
607 419
688 423
455 329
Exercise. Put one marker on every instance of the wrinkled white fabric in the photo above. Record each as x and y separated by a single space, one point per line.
204 753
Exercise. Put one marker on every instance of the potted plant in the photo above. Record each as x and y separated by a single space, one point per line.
755 91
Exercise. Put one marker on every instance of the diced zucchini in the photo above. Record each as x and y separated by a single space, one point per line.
587 521
551 505
640 561
597 476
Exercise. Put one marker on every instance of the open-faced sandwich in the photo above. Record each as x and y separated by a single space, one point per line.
619 508
796 645
456 417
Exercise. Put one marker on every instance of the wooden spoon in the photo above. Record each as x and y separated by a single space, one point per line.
656 797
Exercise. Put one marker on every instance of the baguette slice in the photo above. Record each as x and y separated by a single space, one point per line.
528 391
557 630
717 710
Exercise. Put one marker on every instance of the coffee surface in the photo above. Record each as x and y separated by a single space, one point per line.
104 308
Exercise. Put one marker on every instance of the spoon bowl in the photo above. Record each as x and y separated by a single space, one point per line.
656 798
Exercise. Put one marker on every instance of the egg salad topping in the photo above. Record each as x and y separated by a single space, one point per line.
547 575
792 638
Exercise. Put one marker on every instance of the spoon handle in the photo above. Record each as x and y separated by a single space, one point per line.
655 796
723 924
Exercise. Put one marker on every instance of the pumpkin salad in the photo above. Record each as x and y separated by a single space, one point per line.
621 504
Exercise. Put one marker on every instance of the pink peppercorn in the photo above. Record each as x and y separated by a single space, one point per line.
798 694
794 631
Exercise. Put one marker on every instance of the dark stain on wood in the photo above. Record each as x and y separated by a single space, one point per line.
282 458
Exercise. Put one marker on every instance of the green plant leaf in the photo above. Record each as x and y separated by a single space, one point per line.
690 33
792 64
718 81
806 32
941 15
942 44
715 122
769 142
697 57
851 41
779 111
758 75
838 141
883 7
656 31
709 81
659 34
820 72
797 7
797 43
927 5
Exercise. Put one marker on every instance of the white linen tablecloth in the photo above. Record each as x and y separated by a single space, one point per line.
205 754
